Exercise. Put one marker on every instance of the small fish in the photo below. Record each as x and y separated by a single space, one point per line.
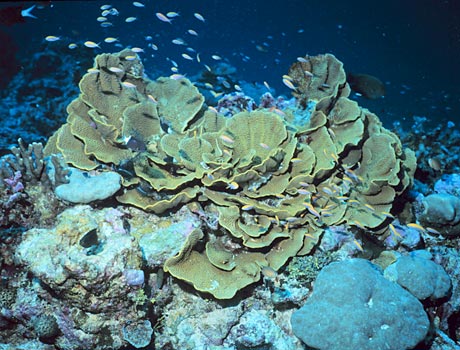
312 210
432 230
116 70
387 214
216 57
360 247
289 84
127 84
28 12
91 44
335 157
106 24
209 85
233 185
72 46
178 41
303 192
52 38
174 63
137 49
269 272
261 48
177 76
101 19
308 73
416 226
154 47
267 86
152 99
369 207
174 69
172 14
198 59
226 84
187 57
394 231
199 17
138 4
358 224
247 207
331 134
110 40
130 58
192 32
163 18
264 146
130 19
114 12
227 139
105 7
93 70
434 164
208 68
216 94
105 13
277 111
237 87
302 59
213 109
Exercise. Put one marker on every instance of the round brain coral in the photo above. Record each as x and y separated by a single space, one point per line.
276 181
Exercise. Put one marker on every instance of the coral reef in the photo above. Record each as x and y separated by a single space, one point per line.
37 95
92 278
27 197
274 179
436 148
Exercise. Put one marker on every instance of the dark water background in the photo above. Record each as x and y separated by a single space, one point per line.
413 46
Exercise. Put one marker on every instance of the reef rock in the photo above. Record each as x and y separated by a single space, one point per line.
441 211
354 307
421 276
91 262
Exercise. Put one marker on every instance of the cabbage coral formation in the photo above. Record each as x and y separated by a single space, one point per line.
274 180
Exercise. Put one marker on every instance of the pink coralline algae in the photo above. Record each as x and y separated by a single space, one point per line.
14 189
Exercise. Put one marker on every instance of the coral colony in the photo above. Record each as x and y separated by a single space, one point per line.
155 218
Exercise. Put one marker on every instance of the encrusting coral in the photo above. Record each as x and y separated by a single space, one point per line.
274 179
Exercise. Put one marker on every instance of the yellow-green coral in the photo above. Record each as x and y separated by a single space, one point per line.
275 181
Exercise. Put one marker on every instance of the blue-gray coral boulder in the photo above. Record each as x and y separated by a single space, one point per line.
421 276
354 307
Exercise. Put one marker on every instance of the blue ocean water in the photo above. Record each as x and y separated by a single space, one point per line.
412 46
